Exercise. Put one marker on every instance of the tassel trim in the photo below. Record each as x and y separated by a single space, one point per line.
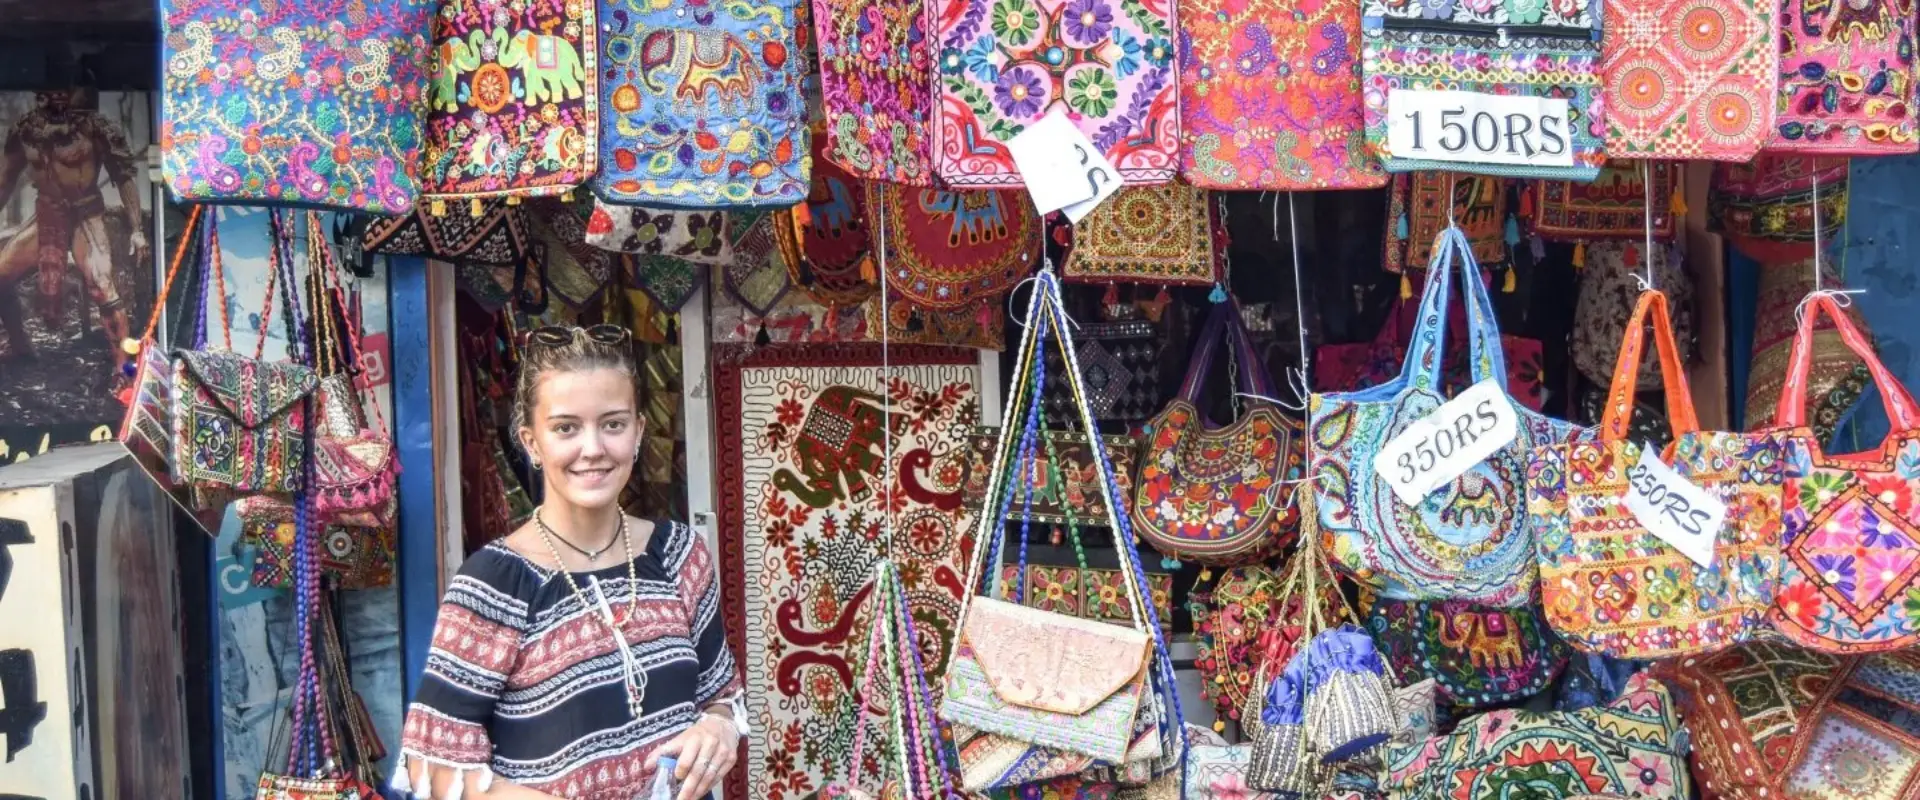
420 786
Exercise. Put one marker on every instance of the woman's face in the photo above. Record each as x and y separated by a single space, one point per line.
584 433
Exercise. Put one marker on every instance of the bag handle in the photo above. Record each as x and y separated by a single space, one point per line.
1225 322
1626 371
213 284
1428 343
187 236
1792 409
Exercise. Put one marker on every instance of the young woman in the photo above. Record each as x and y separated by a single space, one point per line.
574 654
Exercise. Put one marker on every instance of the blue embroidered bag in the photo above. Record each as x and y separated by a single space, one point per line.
313 103
1468 539
700 104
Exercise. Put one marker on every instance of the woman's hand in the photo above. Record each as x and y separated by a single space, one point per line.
704 752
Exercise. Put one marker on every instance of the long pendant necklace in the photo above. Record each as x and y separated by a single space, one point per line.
592 556
636 678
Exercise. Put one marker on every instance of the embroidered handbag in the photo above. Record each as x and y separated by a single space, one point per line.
1166 235
706 109
1469 539
1609 289
1123 364
1647 423
1690 82
1631 748
1417 213
1248 617
354 467
696 237
1089 593
513 100
1352 367
1514 48
1626 200
1479 656
1270 96
147 429
1212 493
876 88
829 247
495 236
1837 378
1611 585
314 104
1766 208
1068 483
1861 742
1847 82
1852 547
947 249
1113 76
1747 709
351 557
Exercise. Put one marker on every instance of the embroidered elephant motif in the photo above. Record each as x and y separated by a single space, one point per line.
1486 637
840 443
550 67
699 63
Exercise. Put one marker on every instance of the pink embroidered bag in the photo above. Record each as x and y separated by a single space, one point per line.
876 88
1689 81
1846 78
1004 64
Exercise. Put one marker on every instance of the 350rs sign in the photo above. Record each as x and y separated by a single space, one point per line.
1471 127
1447 442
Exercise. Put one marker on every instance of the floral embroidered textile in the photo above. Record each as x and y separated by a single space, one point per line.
700 104
1004 64
696 237
317 103
513 100
1847 82
1270 96
1067 486
1149 234
1690 81
876 81
1242 620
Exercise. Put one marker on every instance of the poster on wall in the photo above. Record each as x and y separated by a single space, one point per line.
76 264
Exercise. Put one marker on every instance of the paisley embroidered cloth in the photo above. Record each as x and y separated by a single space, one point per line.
1612 586
1270 96
1850 582
1847 82
700 104
1417 213
1004 64
1747 708
1470 538
1149 234
802 463
876 82
949 250
316 103
1479 656
1689 81
1613 206
514 106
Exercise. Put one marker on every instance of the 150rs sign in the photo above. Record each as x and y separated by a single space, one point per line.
1471 127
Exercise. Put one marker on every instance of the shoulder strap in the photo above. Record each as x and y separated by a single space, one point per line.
1626 371
1428 343
1204 346
1792 410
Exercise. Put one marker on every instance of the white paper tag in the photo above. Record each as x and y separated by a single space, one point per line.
1475 128
1443 445
1673 508
1062 168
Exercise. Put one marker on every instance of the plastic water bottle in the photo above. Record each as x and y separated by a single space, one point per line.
663 788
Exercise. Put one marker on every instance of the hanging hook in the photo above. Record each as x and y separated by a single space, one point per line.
1842 298
1298 379
1646 183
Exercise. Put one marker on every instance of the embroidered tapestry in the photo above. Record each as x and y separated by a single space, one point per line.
1863 743
495 236
828 247
876 83
1847 83
1120 365
803 465
1480 656
1689 81
1745 708
1005 63
316 103
513 100
1270 96
701 104
949 250
1149 234
1766 208
1066 486
575 271
1417 213
1613 206
1091 593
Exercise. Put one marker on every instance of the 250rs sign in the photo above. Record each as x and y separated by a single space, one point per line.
1476 128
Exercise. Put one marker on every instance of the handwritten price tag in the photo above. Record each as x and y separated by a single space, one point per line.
1061 167
1443 445
1673 508
1470 127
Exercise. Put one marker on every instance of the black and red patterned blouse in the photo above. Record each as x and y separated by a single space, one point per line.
525 684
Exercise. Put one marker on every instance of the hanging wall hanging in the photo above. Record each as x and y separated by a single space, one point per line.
1691 81
1123 364
1005 64
1068 483
1417 212
876 86
1619 204
513 98
1168 235
497 236
1847 82
829 247
700 105
1270 96
316 104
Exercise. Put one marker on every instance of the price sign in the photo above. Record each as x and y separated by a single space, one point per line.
1443 445
1062 168
1673 508
1470 127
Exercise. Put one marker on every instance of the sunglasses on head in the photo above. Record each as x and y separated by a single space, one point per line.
563 335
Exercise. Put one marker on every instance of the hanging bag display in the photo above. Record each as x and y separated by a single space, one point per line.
1690 81
1502 87
1468 537
1847 82
147 429
1212 493
1352 367
316 104
1613 581
1851 546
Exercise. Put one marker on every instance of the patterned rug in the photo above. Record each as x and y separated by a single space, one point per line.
803 485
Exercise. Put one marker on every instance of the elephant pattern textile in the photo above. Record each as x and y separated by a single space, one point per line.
804 467
513 107
1480 655
701 104
315 103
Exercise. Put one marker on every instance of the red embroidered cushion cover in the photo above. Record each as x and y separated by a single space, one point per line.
1689 80
1004 64
1745 708
876 71
1846 78
1270 96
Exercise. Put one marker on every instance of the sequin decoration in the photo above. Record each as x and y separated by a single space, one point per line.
1689 80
